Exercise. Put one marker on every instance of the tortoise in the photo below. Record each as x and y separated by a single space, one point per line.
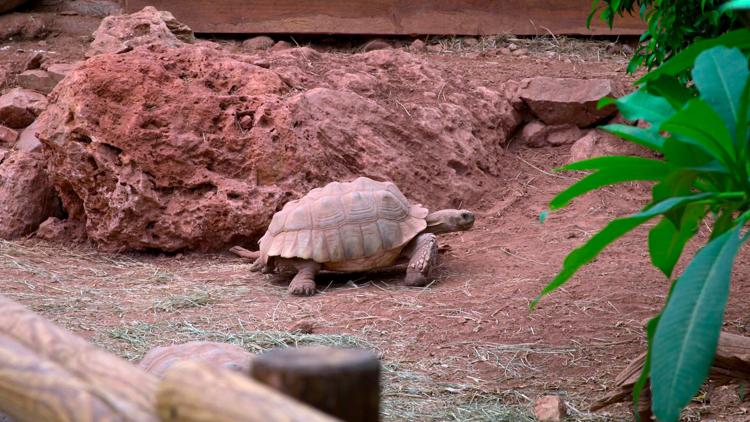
355 226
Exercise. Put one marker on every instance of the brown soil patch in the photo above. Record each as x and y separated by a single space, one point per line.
466 347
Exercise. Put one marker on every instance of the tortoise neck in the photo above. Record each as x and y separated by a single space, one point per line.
436 222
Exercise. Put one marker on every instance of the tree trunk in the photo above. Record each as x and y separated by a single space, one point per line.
344 383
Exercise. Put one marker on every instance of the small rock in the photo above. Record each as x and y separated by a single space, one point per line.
302 327
376 45
34 61
257 43
281 45
470 42
550 409
505 51
512 47
246 122
597 143
56 230
59 71
627 49
566 134
536 134
568 100
521 52
37 80
417 45
19 107
28 142
435 48
42 43
8 136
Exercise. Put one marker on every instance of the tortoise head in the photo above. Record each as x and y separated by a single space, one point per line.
445 221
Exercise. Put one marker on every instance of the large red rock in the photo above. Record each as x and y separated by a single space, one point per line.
193 148
19 107
121 33
566 100
26 196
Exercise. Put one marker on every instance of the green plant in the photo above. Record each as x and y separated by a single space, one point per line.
703 136
672 25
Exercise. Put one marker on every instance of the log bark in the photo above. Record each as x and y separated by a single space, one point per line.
35 389
123 386
344 383
731 365
195 392
390 17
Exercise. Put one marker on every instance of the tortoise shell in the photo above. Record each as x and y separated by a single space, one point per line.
359 221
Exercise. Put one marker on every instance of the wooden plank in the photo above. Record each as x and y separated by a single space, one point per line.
389 17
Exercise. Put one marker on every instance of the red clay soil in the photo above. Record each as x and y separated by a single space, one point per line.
472 329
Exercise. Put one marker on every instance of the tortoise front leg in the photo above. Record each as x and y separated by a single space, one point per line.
303 283
423 256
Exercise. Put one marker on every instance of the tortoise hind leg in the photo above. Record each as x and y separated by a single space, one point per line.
423 255
303 283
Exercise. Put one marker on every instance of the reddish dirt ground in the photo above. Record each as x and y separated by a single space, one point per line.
458 349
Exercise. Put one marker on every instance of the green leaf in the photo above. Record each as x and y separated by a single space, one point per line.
670 89
684 60
615 229
723 222
648 138
685 154
666 241
743 124
612 170
642 105
699 124
720 75
735 5
688 331
609 161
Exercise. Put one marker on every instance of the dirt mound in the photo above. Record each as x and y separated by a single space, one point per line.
195 148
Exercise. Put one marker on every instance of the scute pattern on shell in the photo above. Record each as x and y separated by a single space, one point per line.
343 221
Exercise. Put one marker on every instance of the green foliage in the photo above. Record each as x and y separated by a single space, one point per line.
702 134
672 25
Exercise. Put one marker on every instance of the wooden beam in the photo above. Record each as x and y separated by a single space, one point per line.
125 388
195 392
389 17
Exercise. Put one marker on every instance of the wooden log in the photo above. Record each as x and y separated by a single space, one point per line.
344 383
390 17
35 389
125 387
194 392
731 365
